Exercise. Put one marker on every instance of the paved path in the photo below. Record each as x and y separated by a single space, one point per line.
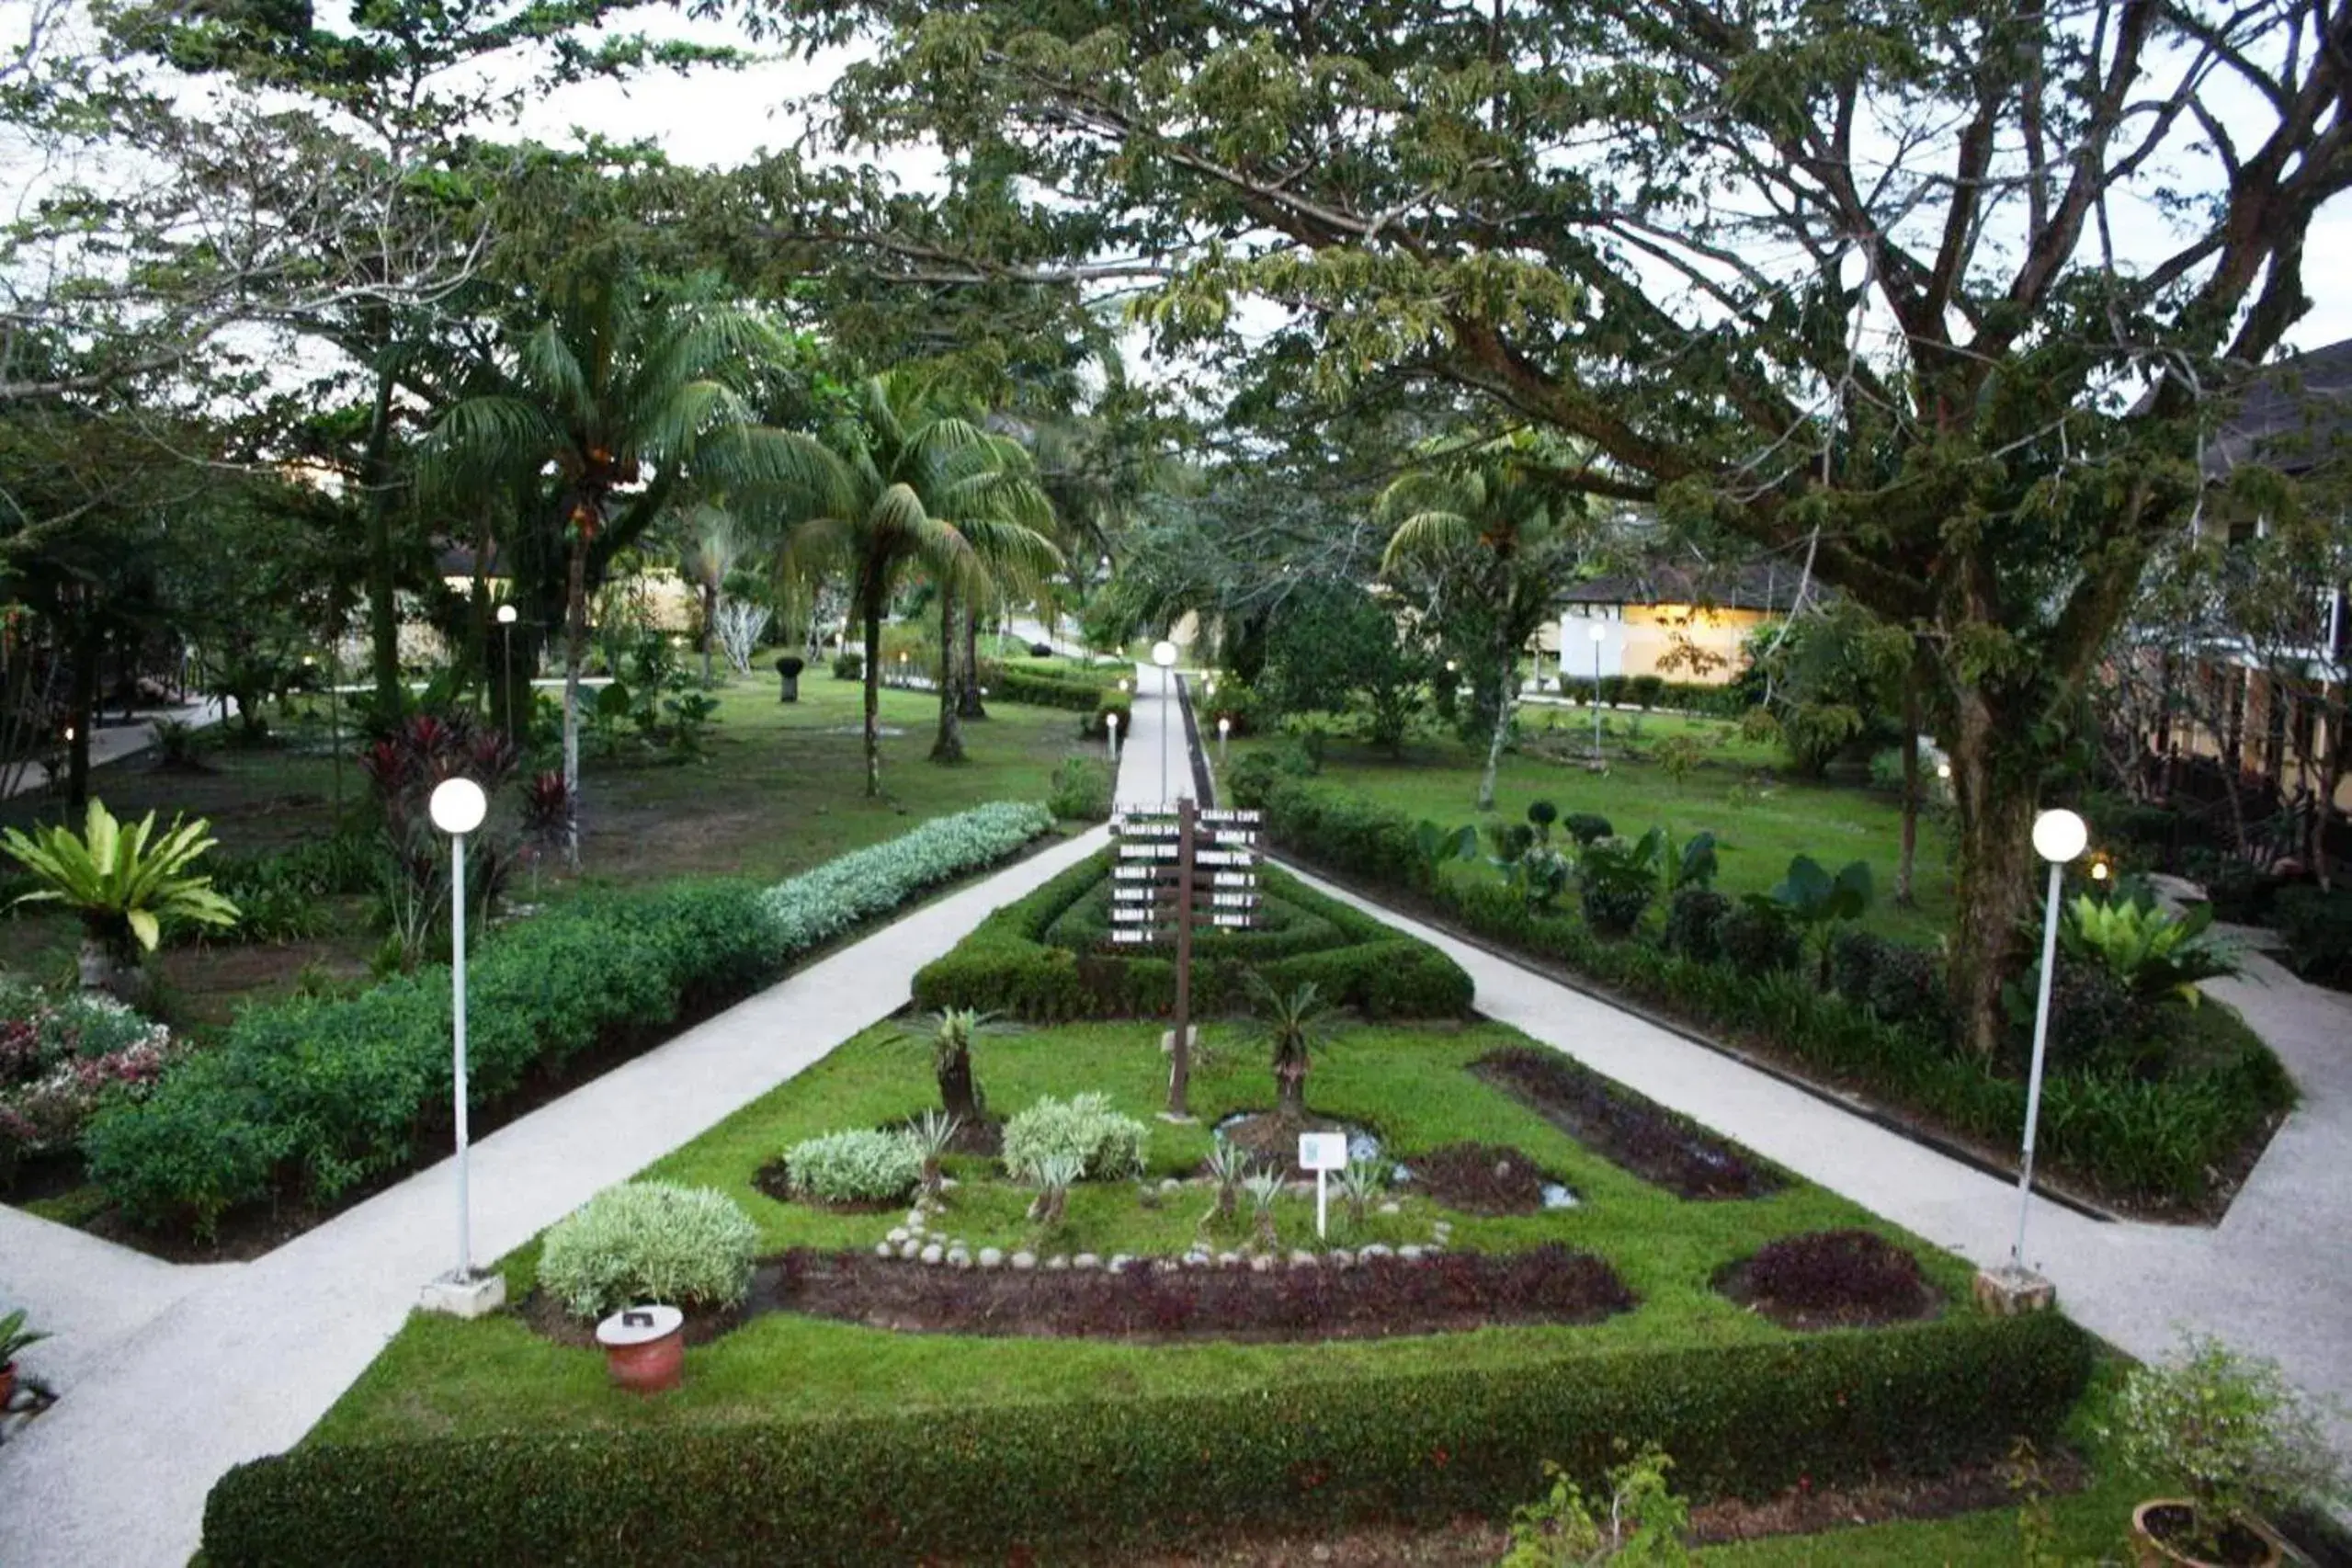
112 743
2274 1278
170 1376
1150 778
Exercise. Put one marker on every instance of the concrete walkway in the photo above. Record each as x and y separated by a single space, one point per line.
170 1376
1149 776
112 743
2273 1279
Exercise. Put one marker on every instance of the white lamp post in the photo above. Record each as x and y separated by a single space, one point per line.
1224 732
1164 655
506 627
2059 836
1599 634
457 807
1110 726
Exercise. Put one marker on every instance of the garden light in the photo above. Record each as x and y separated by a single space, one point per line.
1599 634
506 615
457 807
2059 836
1164 653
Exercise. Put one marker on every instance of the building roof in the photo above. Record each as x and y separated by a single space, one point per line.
2295 416
1767 584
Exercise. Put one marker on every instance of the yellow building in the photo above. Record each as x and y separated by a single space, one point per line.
1668 622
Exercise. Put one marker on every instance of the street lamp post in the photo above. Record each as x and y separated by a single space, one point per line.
1164 653
2059 836
1224 731
457 807
1599 634
506 627
1110 726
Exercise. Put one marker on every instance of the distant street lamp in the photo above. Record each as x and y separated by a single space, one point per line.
2059 836
902 666
457 807
1164 653
1224 731
506 627
1599 634
1111 727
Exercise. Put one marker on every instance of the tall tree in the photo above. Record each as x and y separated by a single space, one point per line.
908 484
1853 280
606 407
1498 527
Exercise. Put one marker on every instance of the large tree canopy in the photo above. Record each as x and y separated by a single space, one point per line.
1940 297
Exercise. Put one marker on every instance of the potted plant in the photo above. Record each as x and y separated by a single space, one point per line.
2237 1438
14 1336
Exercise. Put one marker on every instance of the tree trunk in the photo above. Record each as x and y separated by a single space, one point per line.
383 595
948 746
1904 864
957 1094
1503 693
1993 792
874 617
1291 1093
575 654
967 703
709 630
83 704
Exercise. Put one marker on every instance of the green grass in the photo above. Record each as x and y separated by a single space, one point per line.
1760 819
440 1376
782 789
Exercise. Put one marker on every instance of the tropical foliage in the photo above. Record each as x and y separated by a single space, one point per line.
126 884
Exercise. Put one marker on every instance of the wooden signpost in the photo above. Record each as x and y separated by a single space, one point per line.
1178 869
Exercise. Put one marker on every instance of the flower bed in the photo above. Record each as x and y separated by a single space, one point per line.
64 1057
1655 1144
314 1098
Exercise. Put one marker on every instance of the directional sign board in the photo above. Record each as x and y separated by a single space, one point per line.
1323 1151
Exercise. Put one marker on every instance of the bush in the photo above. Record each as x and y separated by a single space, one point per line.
847 666
1254 779
1096 725
1646 691
1046 689
1694 923
649 1240
858 1166
1039 1479
1082 790
62 1058
1586 827
2318 928
1758 939
1107 1143
326 1094
1615 879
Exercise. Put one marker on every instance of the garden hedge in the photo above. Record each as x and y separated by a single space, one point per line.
318 1096
1008 1481
1007 965
2158 1140
1045 688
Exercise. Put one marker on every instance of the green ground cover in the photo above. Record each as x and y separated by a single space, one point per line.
1760 818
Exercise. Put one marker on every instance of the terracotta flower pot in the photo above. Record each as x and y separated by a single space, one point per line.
644 1347
2151 1549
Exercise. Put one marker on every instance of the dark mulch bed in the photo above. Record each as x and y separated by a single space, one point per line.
1653 1143
1453 1291
546 1317
1275 1141
1831 1279
1479 1178
775 1180
983 1137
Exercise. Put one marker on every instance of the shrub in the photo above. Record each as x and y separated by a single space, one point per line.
1081 790
1046 689
1694 923
1107 1144
62 1058
2151 951
858 1166
1615 879
1096 725
1907 985
1586 827
1645 690
1828 1271
1028 1480
847 666
649 1240
820 903
1758 939
2318 928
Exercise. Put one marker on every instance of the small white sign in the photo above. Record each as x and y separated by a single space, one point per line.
1323 1151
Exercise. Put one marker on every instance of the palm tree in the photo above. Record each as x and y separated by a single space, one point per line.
615 398
1495 524
1293 1024
909 485
710 545
951 1034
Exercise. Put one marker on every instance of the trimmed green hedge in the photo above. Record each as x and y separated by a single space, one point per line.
1007 965
1747 1421
1045 688
2152 1140
318 1097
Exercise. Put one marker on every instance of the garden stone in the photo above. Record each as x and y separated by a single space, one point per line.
948 1183
1056 1264
1024 1261
915 1219
933 1253
992 1257
883 1249
1302 1260
1229 1260
1262 1264
898 1233
1300 1190
1119 1261
1374 1251
1409 1253
1442 1229
1085 1260
1342 1258
959 1258
909 1248
1392 1207
1165 1265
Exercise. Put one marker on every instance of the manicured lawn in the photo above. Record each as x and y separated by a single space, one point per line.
440 1376
782 789
1759 818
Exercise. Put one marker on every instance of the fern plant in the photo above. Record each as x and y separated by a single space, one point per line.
2150 951
124 884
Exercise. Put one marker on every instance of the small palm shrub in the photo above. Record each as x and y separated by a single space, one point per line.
1361 1186
1263 1189
1055 1174
1107 1144
650 1240
1291 1026
1229 1168
933 1133
858 1166
951 1033
124 884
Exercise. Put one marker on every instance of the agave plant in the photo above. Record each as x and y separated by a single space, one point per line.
1291 1025
2150 951
933 1132
1263 1189
123 883
1360 1183
1055 1176
949 1032
1229 1168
